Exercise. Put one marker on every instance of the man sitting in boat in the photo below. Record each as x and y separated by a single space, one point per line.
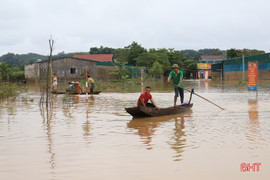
70 88
145 97
78 88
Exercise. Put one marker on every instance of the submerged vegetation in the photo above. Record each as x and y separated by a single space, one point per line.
10 90
10 74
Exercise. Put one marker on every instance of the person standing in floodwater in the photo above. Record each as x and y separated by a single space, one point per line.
176 75
54 82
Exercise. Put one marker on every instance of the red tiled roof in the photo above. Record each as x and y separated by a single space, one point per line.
95 57
211 57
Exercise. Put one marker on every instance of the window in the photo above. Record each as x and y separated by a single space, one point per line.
72 70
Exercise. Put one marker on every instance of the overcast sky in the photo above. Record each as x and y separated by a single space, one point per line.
77 25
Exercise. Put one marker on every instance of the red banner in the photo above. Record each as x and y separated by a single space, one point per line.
252 76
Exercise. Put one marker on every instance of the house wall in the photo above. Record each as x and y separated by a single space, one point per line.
31 71
62 68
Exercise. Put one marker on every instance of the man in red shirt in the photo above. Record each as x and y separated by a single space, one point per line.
144 97
78 88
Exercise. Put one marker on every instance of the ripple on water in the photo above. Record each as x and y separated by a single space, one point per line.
100 140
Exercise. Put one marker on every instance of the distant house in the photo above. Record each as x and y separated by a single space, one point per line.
206 61
211 59
74 67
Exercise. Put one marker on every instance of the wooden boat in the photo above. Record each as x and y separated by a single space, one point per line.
142 111
83 93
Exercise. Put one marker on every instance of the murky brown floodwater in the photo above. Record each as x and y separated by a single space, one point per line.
98 140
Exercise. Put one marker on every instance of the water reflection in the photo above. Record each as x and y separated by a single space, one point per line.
178 139
47 109
252 133
147 127
87 124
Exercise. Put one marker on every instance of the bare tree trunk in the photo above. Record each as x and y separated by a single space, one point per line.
49 73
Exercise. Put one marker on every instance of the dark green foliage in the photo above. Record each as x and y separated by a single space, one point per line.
233 53
148 59
4 71
121 54
210 51
134 50
19 61
10 90
101 50
10 74
189 52
17 76
197 54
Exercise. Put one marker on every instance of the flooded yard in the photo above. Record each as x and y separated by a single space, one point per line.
96 139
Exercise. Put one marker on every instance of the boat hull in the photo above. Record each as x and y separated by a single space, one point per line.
152 112
95 92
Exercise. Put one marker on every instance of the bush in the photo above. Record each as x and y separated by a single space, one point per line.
17 76
8 90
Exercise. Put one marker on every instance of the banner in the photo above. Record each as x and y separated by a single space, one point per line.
252 76
201 66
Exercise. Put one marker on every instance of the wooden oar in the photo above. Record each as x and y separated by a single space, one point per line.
199 96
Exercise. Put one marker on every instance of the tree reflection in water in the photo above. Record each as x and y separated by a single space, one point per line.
46 106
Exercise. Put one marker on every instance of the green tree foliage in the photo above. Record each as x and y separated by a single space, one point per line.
121 70
233 53
189 52
250 52
120 54
197 54
134 50
4 71
156 70
210 51
16 76
19 61
10 74
148 59
101 50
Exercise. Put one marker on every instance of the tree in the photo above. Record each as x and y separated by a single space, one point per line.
121 70
208 51
189 52
232 53
101 50
134 50
16 60
156 70
4 71
120 54
148 59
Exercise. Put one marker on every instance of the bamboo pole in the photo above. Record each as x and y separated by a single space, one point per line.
199 96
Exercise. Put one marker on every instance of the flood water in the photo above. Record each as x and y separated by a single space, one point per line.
98 140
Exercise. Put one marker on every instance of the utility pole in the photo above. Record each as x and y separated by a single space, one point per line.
243 60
